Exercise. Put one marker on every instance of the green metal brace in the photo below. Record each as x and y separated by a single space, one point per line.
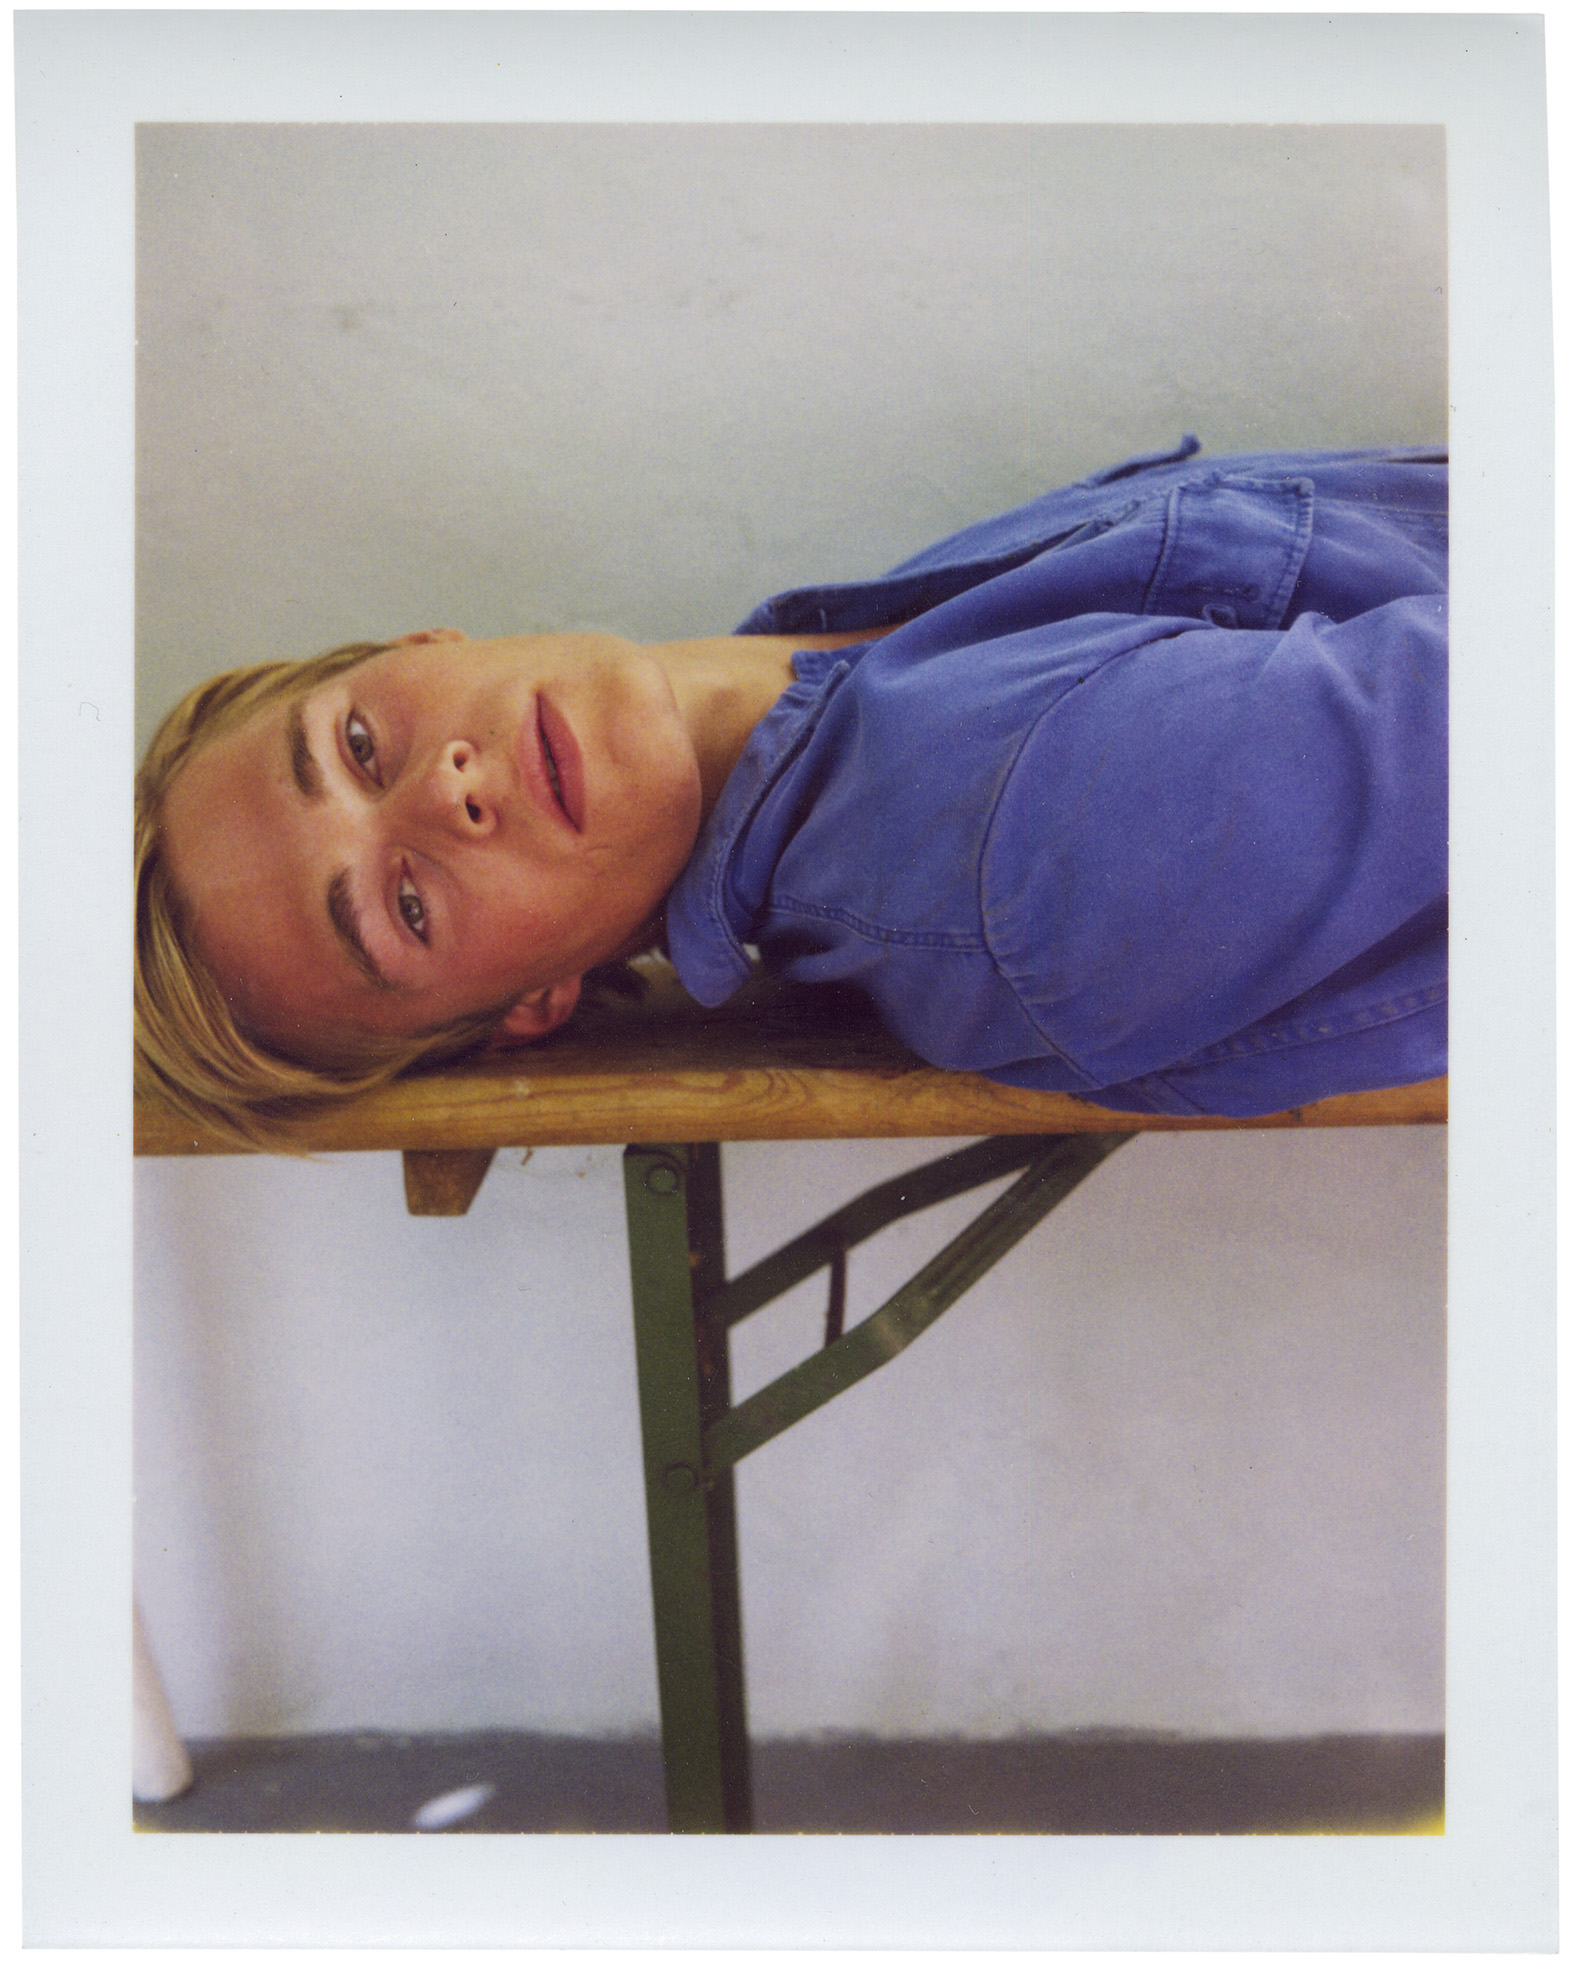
693 1435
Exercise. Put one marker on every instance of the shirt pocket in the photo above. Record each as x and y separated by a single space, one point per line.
1233 550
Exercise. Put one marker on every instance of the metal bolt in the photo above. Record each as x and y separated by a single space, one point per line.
663 1178
680 1479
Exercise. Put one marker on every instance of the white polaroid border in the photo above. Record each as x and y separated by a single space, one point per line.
83 81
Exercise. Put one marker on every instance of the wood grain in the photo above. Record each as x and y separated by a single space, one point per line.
445 1182
777 1062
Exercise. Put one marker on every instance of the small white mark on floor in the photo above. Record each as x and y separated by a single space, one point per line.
443 1810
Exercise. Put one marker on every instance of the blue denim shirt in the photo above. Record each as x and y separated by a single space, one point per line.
1145 799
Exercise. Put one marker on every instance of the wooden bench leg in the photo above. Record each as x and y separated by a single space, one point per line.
673 1194
444 1182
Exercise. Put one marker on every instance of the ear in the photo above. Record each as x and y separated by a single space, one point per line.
429 635
537 1014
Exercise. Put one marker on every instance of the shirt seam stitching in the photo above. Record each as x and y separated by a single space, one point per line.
888 934
1355 1021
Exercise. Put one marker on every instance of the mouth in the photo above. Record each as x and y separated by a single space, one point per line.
561 763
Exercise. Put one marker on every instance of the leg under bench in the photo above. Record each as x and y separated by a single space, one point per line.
693 1435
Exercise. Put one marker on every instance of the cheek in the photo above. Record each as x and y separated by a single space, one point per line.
519 930
672 818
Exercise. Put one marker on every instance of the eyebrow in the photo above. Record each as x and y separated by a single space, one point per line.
347 927
308 774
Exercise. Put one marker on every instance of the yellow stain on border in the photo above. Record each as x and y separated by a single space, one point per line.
1428 1821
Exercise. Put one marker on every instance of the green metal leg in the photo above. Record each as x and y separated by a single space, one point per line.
1053 1167
673 1194
693 1435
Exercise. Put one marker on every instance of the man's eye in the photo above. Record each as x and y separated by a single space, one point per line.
360 742
411 908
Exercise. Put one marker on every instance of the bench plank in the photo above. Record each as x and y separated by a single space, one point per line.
776 1062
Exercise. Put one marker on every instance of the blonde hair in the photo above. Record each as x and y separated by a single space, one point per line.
189 1052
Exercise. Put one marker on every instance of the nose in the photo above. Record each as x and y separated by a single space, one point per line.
461 790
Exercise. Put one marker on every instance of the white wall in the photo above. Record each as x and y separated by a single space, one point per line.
534 377
1178 1462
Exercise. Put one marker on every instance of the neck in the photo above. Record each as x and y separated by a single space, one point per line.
725 684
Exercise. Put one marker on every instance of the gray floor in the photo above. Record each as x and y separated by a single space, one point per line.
366 1782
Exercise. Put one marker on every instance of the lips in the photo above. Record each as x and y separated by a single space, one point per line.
561 766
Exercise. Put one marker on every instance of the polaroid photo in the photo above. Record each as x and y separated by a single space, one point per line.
1142 1604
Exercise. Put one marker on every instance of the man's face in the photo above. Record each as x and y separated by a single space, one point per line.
448 826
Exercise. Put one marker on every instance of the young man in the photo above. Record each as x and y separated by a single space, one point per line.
1136 792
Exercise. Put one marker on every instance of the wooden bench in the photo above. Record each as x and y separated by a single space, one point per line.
670 1082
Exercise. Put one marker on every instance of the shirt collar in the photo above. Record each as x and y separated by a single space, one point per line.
713 906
